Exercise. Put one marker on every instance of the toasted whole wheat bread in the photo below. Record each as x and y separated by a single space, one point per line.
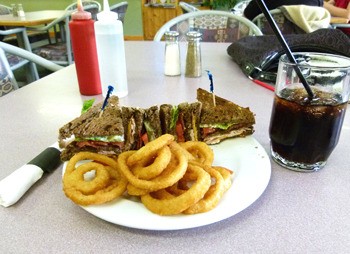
224 111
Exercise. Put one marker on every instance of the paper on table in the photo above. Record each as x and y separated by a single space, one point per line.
17 183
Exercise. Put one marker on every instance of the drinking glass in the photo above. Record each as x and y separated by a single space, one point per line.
304 131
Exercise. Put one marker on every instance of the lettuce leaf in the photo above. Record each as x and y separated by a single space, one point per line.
87 104
174 116
223 126
150 131
115 138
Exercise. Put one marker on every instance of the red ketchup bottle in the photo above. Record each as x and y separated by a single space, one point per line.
84 51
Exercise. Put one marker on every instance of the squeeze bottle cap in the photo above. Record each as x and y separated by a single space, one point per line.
80 14
106 14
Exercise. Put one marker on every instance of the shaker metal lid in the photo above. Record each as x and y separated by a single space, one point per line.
193 34
171 33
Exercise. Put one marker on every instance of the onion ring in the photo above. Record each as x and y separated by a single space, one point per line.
150 148
155 167
172 206
134 191
170 175
77 191
200 151
76 178
212 196
162 194
226 175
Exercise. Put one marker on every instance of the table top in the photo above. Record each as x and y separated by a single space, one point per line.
31 18
339 20
297 213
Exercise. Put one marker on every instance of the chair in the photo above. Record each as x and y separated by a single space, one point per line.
60 52
239 7
16 62
186 7
7 80
215 26
21 36
23 41
121 9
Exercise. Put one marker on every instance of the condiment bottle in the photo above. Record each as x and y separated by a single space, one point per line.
193 57
111 52
172 65
84 51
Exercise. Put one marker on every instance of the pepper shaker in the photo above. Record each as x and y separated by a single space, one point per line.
14 10
193 57
172 65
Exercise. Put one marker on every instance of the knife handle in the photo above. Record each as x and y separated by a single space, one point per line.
47 160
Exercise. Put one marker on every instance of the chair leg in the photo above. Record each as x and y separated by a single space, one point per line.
31 70
48 36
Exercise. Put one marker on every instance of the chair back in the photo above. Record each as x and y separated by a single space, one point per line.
60 52
240 6
186 7
30 56
121 9
215 26
4 9
15 61
7 80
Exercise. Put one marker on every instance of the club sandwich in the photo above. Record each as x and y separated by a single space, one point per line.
95 132
224 119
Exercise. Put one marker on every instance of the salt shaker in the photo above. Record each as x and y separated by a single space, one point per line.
193 57
20 10
172 65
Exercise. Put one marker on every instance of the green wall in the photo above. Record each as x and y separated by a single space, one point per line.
132 22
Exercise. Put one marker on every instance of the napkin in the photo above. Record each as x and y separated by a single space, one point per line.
14 186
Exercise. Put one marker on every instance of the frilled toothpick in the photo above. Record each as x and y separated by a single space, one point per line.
210 76
109 92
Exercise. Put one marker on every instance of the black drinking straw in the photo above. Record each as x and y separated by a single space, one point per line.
284 44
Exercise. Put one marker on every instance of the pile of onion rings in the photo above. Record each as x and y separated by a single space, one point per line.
168 177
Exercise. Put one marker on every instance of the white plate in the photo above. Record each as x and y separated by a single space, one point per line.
252 169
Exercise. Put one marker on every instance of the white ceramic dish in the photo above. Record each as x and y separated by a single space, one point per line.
252 169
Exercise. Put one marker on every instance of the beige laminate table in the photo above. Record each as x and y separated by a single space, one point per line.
31 18
297 213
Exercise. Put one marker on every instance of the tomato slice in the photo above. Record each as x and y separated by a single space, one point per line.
144 138
139 141
206 131
179 132
96 144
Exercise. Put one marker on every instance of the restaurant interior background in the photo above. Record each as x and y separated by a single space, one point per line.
132 22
